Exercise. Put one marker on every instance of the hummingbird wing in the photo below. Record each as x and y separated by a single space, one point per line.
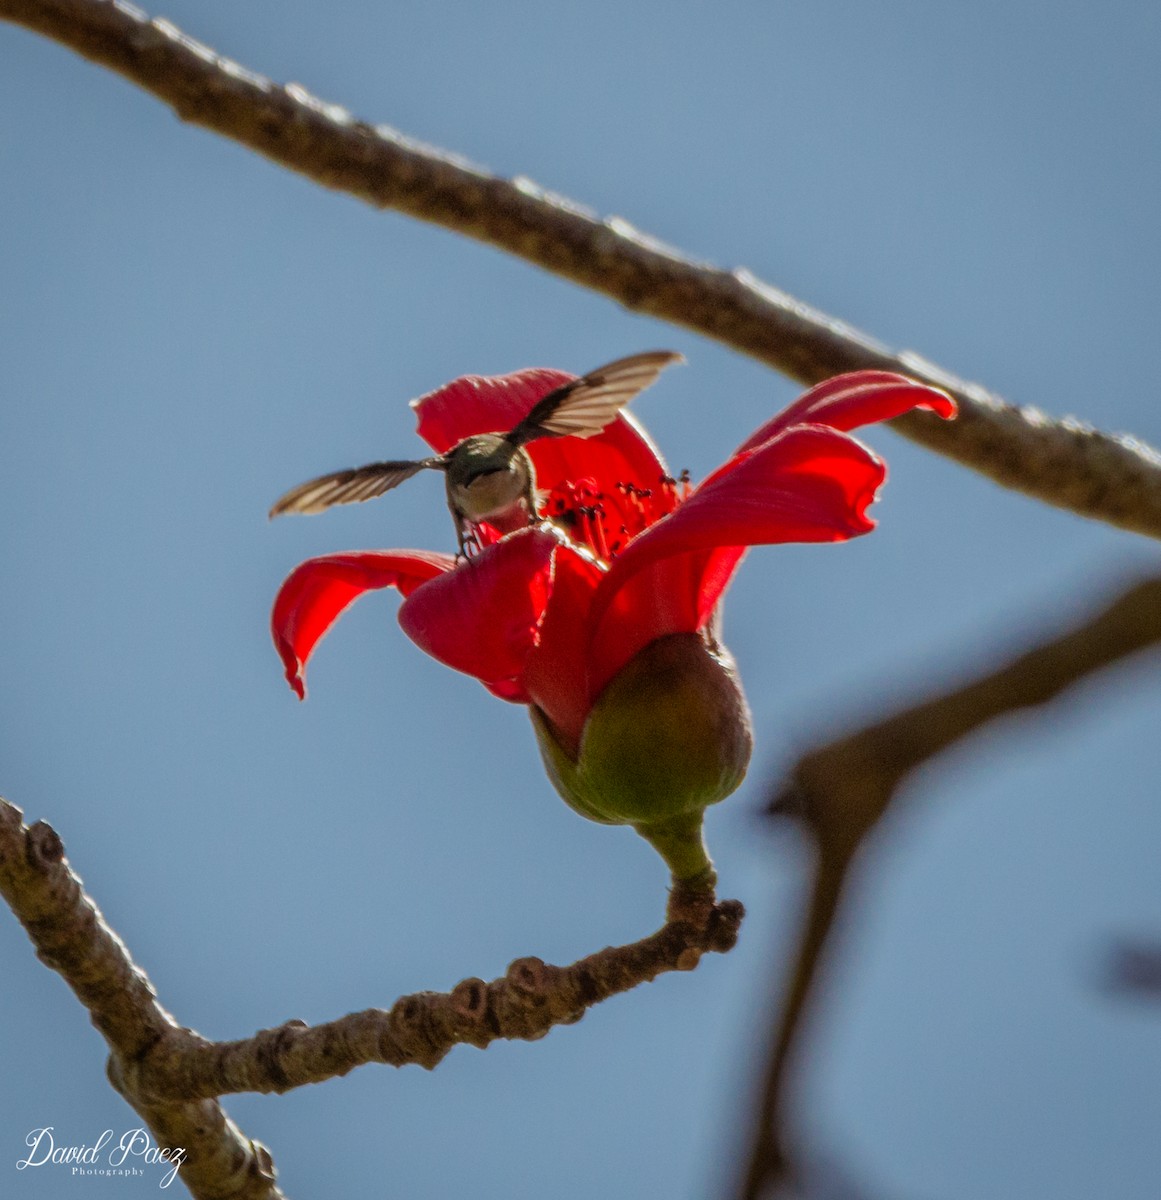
586 405
346 487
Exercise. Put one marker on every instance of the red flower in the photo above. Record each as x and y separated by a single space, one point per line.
550 614
567 615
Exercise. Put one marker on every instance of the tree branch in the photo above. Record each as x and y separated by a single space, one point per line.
71 937
524 1004
1110 478
842 790
171 1075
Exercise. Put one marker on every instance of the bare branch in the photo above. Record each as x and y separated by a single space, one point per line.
1110 478
171 1075
842 790
71 936
524 1004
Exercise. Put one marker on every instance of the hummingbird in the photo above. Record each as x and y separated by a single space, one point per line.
489 476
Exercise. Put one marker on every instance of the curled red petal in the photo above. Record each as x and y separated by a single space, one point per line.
317 591
484 617
557 672
482 404
857 398
621 453
808 485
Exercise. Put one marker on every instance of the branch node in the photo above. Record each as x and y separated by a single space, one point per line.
469 999
271 1050
691 902
721 932
528 977
411 1026
44 846
688 959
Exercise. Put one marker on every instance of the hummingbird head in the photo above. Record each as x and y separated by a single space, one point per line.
487 475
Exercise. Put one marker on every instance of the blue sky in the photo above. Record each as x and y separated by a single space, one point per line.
187 330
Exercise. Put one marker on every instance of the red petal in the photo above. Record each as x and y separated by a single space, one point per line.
659 598
621 453
808 485
857 398
482 404
510 689
317 591
557 672
483 618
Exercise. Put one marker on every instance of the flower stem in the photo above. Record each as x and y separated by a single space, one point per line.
681 842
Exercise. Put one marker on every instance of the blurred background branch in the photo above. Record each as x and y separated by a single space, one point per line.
1116 479
840 791
1132 969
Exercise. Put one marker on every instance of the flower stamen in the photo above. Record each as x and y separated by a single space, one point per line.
580 511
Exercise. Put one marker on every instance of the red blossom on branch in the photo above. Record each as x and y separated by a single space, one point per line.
624 555
550 614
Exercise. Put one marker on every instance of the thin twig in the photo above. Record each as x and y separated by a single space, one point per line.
171 1075
524 1004
841 791
1111 478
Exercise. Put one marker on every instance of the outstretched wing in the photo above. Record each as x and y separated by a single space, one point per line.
347 487
586 405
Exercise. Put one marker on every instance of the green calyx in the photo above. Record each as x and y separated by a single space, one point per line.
669 736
